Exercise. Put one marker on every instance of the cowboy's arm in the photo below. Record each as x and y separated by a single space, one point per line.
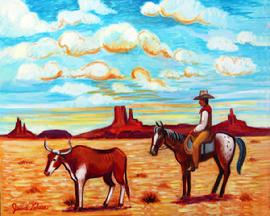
200 127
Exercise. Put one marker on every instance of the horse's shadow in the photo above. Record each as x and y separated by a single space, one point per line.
97 208
204 198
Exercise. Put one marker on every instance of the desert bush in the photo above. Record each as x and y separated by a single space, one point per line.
245 197
150 197
70 201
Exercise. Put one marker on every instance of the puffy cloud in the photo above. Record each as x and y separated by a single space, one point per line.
31 72
151 44
175 75
121 88
76 17
191 72
17 20
170 74
73 89
43 48
246 37
95 5
96 99
221 43
234 66
97 70
75 44
143 78
120 37
187 56
186 12
150 9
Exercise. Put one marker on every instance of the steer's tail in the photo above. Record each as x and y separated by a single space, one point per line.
242 153
126 180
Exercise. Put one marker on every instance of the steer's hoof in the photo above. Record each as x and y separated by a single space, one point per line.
78 209
105 205
120 205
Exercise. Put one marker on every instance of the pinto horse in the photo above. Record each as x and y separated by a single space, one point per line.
223 151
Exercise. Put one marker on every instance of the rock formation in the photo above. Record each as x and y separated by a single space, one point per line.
20 131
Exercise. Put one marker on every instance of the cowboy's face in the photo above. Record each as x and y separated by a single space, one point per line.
201 102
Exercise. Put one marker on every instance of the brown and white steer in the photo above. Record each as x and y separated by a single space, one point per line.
83 163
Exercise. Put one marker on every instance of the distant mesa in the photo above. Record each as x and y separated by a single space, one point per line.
20 131
55 134
126 126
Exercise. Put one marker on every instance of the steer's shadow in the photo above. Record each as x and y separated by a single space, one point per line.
204 198
97 208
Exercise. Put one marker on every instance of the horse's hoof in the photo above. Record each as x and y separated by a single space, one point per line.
78 209
184 197
105 205
120 205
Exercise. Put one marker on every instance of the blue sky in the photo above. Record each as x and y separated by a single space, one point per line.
92 53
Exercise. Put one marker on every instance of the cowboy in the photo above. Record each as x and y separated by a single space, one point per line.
202 131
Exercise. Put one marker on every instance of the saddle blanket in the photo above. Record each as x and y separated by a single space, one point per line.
205 148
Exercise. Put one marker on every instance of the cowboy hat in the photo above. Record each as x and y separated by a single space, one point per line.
203 95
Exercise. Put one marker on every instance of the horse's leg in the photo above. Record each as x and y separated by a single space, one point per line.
215 187
184 180
189 183
227 173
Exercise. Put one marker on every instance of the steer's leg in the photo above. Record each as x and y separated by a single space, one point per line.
122 194
108 180
80 191
76 195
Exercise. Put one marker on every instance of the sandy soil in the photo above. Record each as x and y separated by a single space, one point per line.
28 191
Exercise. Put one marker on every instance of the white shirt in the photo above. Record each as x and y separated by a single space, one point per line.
203 123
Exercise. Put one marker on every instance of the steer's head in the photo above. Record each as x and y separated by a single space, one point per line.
55 158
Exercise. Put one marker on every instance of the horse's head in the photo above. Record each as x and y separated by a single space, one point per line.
157 139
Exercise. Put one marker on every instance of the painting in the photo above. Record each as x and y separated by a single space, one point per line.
134 107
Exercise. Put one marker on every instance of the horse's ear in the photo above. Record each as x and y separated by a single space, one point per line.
161 124
157 124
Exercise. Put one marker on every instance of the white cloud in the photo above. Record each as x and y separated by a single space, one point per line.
17 20
144 79
170 74
151 44
76 44
221 43
121 88
95 5
187 56
33 72
76 17
120 37
150 9
97 70
186 12
234 66
247 37
73 89
94 99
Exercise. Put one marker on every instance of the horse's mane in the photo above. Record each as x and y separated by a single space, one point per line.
172 134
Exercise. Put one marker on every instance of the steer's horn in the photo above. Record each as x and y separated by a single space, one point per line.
49 149
67 151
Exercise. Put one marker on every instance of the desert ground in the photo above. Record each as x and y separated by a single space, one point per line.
25 190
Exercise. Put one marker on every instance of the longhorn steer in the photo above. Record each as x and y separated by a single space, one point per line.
84 163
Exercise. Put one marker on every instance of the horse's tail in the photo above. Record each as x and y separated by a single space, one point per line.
242 153
126 180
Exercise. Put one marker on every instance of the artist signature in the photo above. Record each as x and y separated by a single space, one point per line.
28 206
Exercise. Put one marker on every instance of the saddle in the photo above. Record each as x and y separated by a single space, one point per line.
206 147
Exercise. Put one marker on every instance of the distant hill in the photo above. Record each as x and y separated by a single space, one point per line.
55 134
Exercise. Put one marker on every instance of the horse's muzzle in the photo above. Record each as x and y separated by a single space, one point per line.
153 153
